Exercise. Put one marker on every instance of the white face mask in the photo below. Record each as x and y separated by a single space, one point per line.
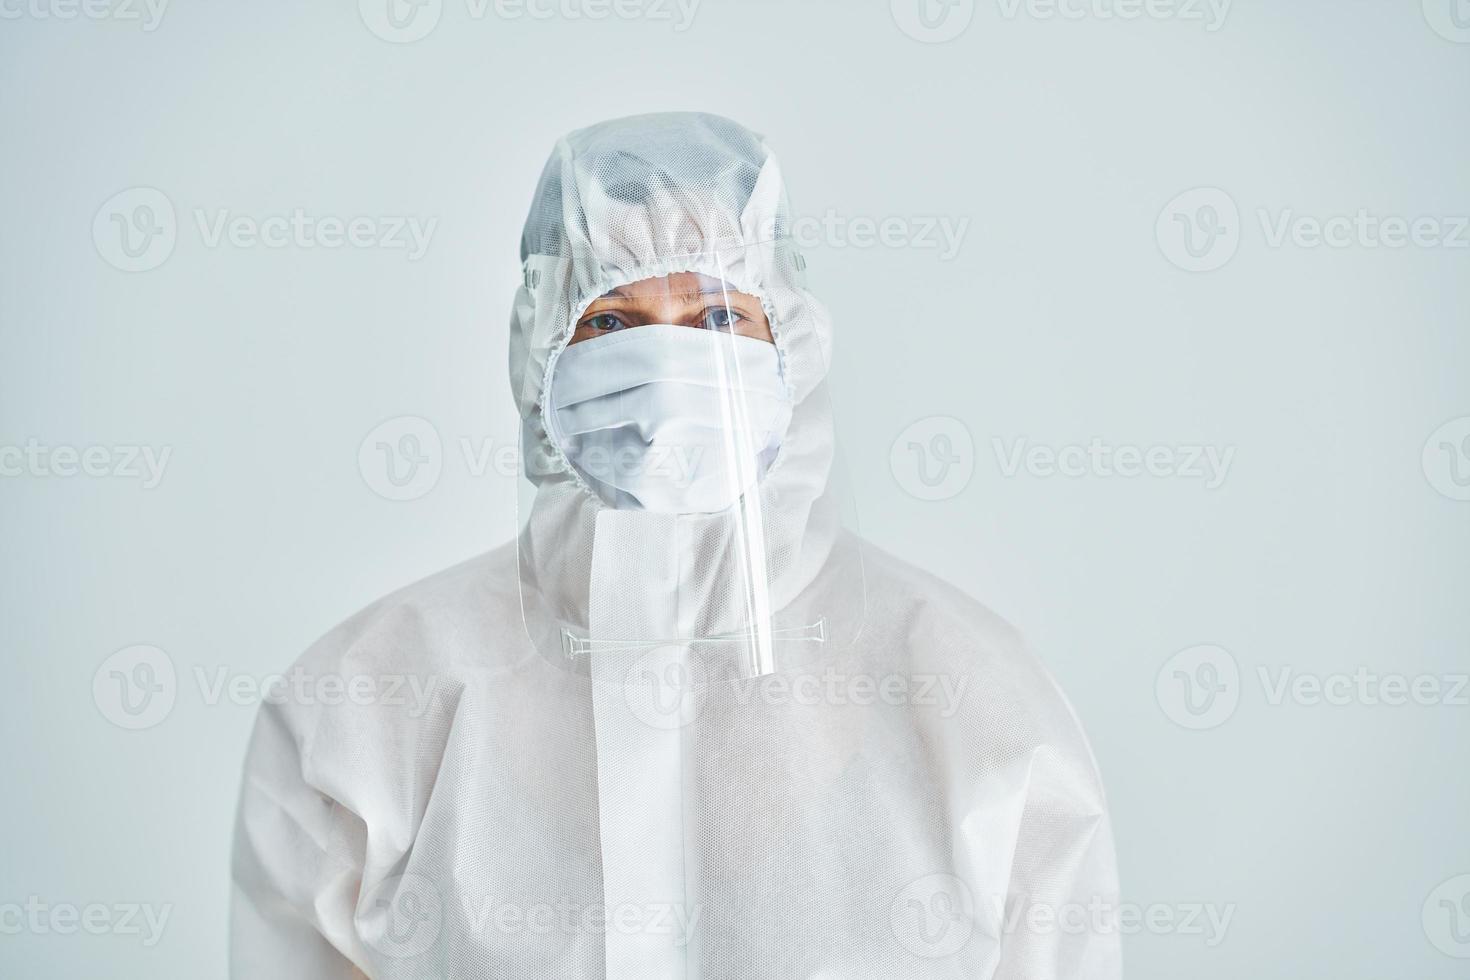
669 418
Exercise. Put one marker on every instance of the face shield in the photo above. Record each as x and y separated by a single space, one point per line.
669 396
679 501
681 507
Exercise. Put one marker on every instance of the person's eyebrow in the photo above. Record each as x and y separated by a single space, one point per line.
712 289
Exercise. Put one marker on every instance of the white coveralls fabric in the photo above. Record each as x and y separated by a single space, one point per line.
916 800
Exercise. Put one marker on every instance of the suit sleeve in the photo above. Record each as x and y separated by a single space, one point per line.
1062 899
296 870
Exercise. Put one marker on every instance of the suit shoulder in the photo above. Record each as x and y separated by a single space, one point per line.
944 632
467 611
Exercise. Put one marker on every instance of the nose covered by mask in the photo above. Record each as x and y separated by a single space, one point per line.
669 418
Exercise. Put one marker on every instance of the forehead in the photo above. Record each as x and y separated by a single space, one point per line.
676 284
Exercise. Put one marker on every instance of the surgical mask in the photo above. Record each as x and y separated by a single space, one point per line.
669 418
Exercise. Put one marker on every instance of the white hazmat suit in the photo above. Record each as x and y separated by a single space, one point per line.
687 726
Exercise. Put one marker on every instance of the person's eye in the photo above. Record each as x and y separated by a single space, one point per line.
604 322
721 318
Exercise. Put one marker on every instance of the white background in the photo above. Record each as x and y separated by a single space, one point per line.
1330 546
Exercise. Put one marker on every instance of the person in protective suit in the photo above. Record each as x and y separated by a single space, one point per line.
687 724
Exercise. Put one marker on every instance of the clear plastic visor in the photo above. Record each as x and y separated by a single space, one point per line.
669 396
678 501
